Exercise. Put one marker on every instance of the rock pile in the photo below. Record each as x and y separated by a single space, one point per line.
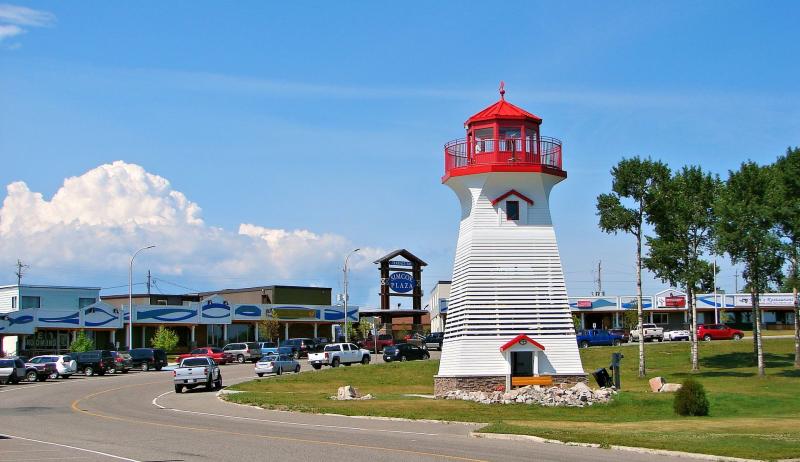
579 395
349 392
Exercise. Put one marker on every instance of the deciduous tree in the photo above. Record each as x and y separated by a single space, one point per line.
683 218
269 327
634 181
745 230
165 339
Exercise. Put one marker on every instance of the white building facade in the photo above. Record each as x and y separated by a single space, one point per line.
437 305
507 276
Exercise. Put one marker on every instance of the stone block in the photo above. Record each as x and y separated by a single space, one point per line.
670 387
656 383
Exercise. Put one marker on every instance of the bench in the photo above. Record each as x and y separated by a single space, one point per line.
524 381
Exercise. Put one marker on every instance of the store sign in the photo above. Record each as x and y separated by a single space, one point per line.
584 304
400 263
766 300
671 301
401 282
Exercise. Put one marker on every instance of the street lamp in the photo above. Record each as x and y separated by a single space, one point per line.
346 260
130 297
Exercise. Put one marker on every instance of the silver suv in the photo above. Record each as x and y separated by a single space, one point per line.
12 370
244 351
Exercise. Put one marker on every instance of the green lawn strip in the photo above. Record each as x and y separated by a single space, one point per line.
740 401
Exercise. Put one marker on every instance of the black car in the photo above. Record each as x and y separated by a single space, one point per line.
122 362
434 341
148 358
94 362
301 346
404 352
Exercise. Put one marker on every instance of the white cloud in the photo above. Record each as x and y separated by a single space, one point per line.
13 17
95 220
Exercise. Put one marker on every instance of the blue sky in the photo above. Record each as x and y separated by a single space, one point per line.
330 118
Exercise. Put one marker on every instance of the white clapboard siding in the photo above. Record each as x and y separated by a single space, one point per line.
507 279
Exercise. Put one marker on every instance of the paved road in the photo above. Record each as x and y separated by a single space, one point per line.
137 417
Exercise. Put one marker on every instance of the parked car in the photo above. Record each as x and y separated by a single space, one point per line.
217 354
321 342
94 362
244 351
676 334
148 358
276 364
193 372
626 336
597 337
384 340
12 370
276 351
266 345
718 332
65 365
39 371
123 362
434 341
301 346
651 332
339 353
404 352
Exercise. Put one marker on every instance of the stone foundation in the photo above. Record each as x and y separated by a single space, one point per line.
442 385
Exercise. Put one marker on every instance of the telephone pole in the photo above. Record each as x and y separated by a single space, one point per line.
736 281
599 280
20 271
148 282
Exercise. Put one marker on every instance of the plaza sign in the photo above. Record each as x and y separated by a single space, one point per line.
401 282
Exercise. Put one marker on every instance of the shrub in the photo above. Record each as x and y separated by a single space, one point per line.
691 399
82 343
165 339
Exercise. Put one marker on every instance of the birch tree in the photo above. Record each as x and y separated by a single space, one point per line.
633 181
683 218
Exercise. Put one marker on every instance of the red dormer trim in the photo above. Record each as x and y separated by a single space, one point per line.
513 193
518 338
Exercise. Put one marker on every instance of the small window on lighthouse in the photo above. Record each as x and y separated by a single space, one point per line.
512 210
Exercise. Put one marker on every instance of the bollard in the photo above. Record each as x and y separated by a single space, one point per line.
615 360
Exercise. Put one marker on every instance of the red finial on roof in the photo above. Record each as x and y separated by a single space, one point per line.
502 90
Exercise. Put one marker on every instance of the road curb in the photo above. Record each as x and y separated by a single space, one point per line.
660 452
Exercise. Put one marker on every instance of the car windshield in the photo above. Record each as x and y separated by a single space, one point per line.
191 362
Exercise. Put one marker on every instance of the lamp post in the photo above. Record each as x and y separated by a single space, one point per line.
130 297
346 261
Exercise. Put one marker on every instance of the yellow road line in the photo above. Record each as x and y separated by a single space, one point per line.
75 408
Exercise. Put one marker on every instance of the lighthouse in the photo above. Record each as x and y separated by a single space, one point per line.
508 320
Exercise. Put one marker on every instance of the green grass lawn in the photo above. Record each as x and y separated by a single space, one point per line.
750 416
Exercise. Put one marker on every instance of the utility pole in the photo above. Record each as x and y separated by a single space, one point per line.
599 280
148 282
20 271
736 281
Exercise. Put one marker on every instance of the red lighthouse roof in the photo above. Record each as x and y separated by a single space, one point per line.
503 110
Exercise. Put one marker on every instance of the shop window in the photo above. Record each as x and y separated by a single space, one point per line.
512 210
84 302
29 302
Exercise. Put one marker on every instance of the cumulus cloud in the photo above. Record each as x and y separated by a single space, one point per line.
95 220
14 19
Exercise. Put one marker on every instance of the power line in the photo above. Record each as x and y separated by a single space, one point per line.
20 270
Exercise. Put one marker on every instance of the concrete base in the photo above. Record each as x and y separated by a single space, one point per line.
442 385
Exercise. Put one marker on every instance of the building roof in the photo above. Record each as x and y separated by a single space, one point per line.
503 110
251 289
518 339
36 286
403 253
513 192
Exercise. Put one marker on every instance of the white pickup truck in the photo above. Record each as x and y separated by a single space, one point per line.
651 332
193 372
338 353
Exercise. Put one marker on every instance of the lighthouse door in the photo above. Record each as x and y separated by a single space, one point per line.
522 363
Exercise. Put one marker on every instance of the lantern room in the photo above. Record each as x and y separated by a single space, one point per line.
503 137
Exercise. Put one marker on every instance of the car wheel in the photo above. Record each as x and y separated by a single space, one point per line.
218 383
240 359
260 374
584 344
178 388
617 342
297 369
316 366
737 337
335 362
88 371
145 367
426 356
296 355
209 383
30 376
54 375
112 371
158 368
279 371
365 359
403 358
707 338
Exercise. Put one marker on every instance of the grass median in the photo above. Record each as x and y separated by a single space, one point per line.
750 416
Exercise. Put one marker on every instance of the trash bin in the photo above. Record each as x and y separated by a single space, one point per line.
601 377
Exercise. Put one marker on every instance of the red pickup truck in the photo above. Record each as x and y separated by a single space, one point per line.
384 340
219 356
718 332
